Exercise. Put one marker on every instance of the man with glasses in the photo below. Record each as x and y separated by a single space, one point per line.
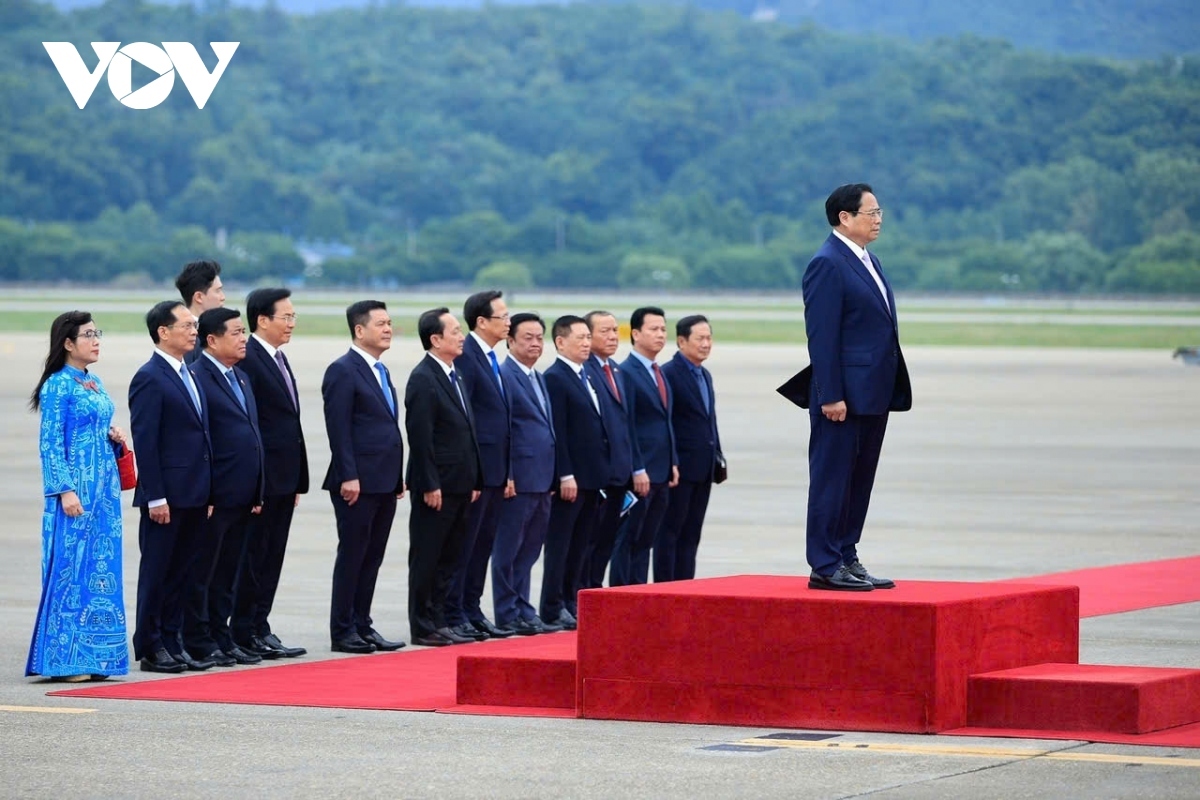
857 376
168 416
271 319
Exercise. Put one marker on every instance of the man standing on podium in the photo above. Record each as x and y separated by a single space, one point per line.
858 375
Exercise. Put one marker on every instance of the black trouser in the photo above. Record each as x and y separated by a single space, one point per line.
631 556
679 535
167 555
363 530
604 538
563 562
266 544
209 597
435 545
462 604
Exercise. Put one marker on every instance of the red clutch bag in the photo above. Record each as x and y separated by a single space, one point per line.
127 469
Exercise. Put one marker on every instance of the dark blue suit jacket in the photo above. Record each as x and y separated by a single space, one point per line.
624 458
170 440
532 430
853 341
237 471
697 439
649 421
278 422
490 407
364 437
581 437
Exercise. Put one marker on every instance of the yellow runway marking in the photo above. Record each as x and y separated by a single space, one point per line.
978 751
47 710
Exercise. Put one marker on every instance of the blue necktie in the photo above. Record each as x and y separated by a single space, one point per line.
187 382
496 370
537 390
458 389
703 389
387 390
237 389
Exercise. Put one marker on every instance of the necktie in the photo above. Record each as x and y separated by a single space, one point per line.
537 390
703 386
281 362
866 259
458 389
386 386
496 370
612 380
237 389
662 386
191 387
587 387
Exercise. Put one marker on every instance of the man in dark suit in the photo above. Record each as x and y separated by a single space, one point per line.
858 376
271 318
625 467
169 423
237 488
365 476
649 411
444 475
698 443
523 518
199 284
479 370
582 461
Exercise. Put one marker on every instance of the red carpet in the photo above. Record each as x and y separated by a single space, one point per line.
408 680
1129 587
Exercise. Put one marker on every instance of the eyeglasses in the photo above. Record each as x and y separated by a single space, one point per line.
185 325
498 316
284 317
92 334
874 213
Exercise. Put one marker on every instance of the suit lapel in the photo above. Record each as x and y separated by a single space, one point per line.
177 381
222 380
372 376
474 351
443 380
860 269
269 364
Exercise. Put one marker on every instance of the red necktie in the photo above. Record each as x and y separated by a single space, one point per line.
662 387
613 381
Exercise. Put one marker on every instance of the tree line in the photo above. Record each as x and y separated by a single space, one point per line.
594 146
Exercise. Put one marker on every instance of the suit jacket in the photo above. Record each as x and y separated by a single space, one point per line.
443 449
237 465
853 339
364 436
278 422
490 409
696 436
582 444
624 456
171 441
532 434
649 420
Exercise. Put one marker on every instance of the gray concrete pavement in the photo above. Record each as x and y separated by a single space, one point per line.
1013 462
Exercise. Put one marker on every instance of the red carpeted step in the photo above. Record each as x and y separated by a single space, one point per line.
767 650
1084 697
542 676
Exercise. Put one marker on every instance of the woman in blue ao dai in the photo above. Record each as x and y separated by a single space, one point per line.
80 629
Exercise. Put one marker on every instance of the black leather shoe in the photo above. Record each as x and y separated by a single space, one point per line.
567 620
242 657
520 627
161 661
857 569
219 659
351 644
288 652
258 647
452 636
195 665
839 581
374 637
467 631
485 625
434 639
545 627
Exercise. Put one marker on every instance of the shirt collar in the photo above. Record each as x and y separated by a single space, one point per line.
854 248
527 370
174 362
224 369
647 363
446 368
576 368
370 359
484 346
270 348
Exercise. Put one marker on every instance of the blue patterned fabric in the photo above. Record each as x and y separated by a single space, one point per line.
80 628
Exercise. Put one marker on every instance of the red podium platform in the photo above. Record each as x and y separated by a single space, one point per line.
767 650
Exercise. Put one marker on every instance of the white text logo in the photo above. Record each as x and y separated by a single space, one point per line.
165 61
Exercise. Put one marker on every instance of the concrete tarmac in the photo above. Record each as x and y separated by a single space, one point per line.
1013 462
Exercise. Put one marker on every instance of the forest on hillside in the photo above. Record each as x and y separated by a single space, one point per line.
593 145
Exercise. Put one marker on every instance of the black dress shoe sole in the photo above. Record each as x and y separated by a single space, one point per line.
174 669
830 586
353 649
424 642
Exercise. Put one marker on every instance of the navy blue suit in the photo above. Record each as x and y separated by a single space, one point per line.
523 518
237 487
286 475
490 407
174 460
698 443
854 346
582 449
624 459
365 445
650 427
